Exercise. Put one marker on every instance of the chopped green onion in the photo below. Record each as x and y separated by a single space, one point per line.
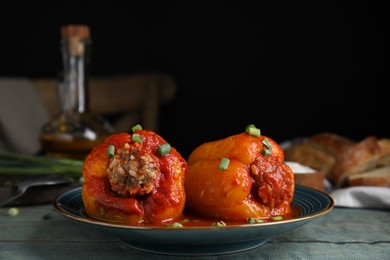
13 212
22 165
277 218
176 225
136 127
253 130
224 164
249 126
266 143
164 149
253 220
111 151
219 224
136 138
266 151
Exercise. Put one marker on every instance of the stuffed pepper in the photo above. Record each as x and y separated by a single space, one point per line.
133 179
240 177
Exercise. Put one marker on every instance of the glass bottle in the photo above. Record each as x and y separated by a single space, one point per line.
75 130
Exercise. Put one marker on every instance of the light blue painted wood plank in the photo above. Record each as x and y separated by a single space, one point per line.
112 250
341 234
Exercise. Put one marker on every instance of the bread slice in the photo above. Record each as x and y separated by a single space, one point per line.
378 177
310 155
358 158
384 158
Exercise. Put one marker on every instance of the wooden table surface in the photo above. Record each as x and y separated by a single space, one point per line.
40 232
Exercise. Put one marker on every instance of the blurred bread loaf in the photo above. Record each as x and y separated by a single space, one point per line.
310 155
345 162
332 143
384 158
376 177
358 158
319 151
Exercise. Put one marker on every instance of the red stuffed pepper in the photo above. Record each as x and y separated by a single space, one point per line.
133 179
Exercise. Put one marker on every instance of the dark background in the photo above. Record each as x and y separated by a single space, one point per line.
292 69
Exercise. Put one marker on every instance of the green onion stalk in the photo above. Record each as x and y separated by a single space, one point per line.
21 164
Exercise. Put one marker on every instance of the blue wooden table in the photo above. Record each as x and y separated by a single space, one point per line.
40 232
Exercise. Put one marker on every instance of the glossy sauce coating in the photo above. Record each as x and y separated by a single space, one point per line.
165 201
255 185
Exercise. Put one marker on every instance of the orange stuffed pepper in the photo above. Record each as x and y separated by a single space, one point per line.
240 177
133 179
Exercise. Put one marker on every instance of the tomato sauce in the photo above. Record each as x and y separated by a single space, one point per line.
192 220
187 219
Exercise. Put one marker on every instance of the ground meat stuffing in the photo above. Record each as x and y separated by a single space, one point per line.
273 180
131 174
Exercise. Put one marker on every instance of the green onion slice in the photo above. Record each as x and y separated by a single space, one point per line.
219 224
136 138
249 126
224 164
13 212
164 149
136 127
266 143
253 220
253 130
176 225
111 151
266 151
277 218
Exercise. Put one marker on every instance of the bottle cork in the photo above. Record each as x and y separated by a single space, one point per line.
77 35
75 30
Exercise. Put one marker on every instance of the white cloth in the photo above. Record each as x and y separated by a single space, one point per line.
22 115
362 197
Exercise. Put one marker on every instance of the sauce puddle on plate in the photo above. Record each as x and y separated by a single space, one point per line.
191 220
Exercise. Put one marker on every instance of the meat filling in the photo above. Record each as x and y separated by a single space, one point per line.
131 174
273 180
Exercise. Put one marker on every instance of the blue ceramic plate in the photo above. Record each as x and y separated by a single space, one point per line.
206 240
